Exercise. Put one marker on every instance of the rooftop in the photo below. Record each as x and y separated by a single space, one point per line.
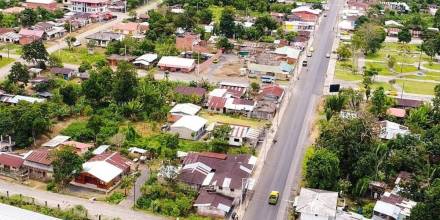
317 202
194 123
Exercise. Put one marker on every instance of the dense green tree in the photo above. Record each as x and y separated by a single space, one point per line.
223 42
69 41
344 52
437 19
66 164
19 73
404 35
430 207
430 46
322 170
54 61
69 94
227 24
369 37
436 105
334 104
380 102
28 17
35 52
125 83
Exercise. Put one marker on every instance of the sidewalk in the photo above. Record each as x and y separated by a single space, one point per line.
64 201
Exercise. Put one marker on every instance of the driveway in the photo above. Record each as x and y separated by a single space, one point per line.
135 192
94 208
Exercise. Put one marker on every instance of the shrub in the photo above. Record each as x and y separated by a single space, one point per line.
79 131
115 198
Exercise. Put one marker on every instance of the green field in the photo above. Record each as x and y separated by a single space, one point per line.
347 75
222 118
13 48
382 67
433 66
5 61
78 55
416 87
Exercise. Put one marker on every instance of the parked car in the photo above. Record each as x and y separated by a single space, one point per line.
304 63
327 55
273 197
77 43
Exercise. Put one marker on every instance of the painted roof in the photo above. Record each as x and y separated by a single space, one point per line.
306 9
190 90
11 160
215 200
41 1
397 112
78 145
194 123
12 212
176 62
28 32
185 109
40 156
101 149
57 140
317 202
102 170
217 102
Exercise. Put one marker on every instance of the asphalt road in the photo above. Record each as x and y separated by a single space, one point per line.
282 168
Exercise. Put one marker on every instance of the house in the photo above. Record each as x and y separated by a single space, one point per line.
216 104
239 106
390 130
38 164
393 28
392 206
10 37
396 112
396 6
299 26
189 127
191 42
185 109
15 99
49 5
146 61
13 212
271 93
103 38
103 172
236 90
264 109
358 5
176 64
346 25
101 149
283 71
316 204
114 59
288 54
80 148
131 28
51 29
66 73
213 204
279 17
88 6
305 13
13 10
11 165
29 36
407 103
225 174
238 135
56 141
191 91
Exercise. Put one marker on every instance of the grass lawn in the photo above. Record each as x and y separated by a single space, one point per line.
386 86
5 61
405 68
78 55
382 67
425 77
13 48
433 66
347 75
233 120
423 88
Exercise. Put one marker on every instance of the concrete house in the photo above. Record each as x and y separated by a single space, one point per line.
315 204
89 6
38 164
49 5
103 38
213 204
189 127
11 165
176 64
390 130
392 206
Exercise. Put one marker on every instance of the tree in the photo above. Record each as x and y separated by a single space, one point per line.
227 24
125 83
334 104
290 36
404 35
369 37
430 47
91 44
322 170
28 17
19 73
66 164
255 87
224 43
437 19
435 116
221 132
430 207
34 52
132 14
380 102
94 124
391 62
344 52
69 94
69 41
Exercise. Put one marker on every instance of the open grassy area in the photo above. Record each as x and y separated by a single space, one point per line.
221 118
393 49
385 85
347 75
405 68
5 61
416 87
382 68
425 77
433 66
79 54
13 48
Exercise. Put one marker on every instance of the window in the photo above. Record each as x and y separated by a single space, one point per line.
232 190
220 188
236 139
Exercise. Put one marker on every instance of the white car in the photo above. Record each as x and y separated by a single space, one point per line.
76 43
327 55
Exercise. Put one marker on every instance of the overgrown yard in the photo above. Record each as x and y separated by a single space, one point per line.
79 55
424 88
239 120
12 48
5 61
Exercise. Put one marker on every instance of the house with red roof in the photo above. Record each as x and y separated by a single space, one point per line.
38 164
216 104
50 5
213 204
131 28
79 147
272 93
11 165
103 172
305 13
28 36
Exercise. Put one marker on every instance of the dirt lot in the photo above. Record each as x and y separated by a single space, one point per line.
229 69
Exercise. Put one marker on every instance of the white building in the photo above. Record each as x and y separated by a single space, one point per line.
185 109
390 130
189 127
89 6
392 206
315 204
